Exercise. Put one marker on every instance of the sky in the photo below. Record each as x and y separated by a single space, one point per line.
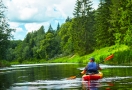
29 15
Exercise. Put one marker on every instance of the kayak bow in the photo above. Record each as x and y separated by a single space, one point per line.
92 76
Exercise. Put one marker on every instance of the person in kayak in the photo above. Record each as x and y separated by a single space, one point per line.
92 67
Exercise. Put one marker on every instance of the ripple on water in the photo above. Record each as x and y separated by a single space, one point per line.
48 84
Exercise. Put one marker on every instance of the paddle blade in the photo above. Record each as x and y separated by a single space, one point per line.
83 72
72 77
109 57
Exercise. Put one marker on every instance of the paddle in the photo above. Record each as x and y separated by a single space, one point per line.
106 59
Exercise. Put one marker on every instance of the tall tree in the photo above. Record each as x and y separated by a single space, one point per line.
104 37
126 21
68 19
41 31
48 46
58 39
66 43
81 27
114 20
5 32
58 27
50 29
77 9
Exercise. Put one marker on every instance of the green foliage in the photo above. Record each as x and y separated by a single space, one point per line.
4 63
37 45
79 38
103 33
122 55
66 43
5 32
82 28
121 21
126 22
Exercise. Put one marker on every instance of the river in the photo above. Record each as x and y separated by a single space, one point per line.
54 76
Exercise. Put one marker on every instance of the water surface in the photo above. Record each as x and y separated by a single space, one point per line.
54 76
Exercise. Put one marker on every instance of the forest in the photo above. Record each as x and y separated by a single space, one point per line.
88 30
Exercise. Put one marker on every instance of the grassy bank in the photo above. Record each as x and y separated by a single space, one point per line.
4 63
122 55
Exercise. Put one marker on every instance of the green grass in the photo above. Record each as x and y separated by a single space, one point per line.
122 55
99 55
33 61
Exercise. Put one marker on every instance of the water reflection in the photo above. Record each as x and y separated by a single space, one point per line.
54 76
48 84
96 85
90 85
37 77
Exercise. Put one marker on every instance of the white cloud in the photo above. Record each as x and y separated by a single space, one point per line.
38 10
16 26
28 15
32 26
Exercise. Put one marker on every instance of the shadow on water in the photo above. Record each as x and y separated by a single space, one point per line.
54 77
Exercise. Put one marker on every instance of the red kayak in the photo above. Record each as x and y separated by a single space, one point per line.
92 76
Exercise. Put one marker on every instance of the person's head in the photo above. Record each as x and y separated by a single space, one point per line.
92 59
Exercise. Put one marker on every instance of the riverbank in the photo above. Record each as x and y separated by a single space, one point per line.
4 63
122 55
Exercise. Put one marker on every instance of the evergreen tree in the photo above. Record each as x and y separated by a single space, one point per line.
41 31
104 36
121 21
126 22
50 29
5 32
114 21
82 27
77 9
68 19
58 26
65 43
58 40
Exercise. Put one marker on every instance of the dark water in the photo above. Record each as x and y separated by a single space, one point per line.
55 77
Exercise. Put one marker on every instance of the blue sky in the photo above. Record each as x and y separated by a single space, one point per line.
28 15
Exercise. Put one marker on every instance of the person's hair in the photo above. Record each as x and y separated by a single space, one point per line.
92 59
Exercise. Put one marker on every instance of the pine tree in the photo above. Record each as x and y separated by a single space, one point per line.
50 29
81 27
68 19
114 20
77 9
5 32
126 22
102 25
58 26
41 31
65 43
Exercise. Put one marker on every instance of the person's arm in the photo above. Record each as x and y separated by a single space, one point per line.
84 71
99 68
86 67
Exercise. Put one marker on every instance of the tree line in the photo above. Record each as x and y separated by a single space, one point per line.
88 30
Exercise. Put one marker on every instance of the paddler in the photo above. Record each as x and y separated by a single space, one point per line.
92 67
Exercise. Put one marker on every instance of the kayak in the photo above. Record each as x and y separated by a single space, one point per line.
92 76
